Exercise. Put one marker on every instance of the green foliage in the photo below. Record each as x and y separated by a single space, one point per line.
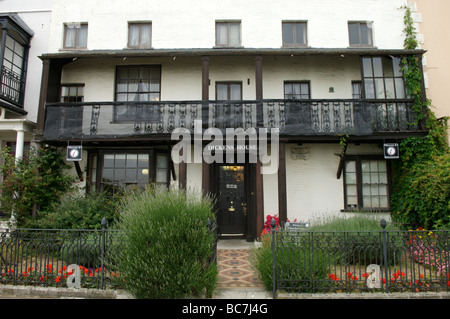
420 196
357 222
32 183
167 248
78 211
421 193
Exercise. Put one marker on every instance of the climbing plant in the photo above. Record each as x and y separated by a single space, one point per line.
421 179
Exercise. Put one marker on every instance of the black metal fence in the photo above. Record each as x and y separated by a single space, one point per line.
60 257
354 262
65 257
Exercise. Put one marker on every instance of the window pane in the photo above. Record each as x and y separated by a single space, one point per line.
377 67
143 160
288 33
221 33
353 32
108 175
235 37
366 36
390 89
133 35
161 161
146 35
397 67
367 67
108 161
70 37
82 37
369 89
222 92
120 160
161 176
300 33
379 88
235 92
400 88
131 175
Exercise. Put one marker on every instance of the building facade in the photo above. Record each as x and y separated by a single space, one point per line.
24 37
150 92
432 27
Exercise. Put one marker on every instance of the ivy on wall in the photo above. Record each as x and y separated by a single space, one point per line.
421 179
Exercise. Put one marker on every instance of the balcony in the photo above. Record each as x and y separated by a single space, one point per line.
294 118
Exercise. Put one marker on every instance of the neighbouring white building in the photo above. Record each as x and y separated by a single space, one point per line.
24 37
121 77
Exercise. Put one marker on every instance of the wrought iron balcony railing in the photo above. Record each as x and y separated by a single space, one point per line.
293 117
11 86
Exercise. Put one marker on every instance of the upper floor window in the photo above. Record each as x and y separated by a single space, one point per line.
296 90
229 91
294 34
75 35
12 70
356 90
139 35
14 43
383 78
228 34
72 93
360 34
135 84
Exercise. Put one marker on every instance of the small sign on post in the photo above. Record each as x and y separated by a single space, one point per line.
391 151
74 153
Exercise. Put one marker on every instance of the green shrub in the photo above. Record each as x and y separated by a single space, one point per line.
300 267
167 245
358 239
78 211
32 183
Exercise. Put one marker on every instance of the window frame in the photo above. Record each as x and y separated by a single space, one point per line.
140 24
294 44
371 79
95 166
358 159
228 23
76 45
10 81
126 104
228 84
67 98
308 83
369 25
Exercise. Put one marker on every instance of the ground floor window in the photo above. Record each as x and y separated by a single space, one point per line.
366 184
117 171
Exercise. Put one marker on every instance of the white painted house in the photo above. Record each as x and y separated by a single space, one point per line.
24 37
120 77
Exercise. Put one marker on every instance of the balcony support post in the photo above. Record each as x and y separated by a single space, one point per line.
43 95
259 176
205 97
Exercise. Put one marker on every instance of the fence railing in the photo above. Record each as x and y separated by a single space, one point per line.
54 257
64 257
307 261
291 117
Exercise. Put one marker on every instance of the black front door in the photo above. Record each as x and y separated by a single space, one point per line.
232 200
